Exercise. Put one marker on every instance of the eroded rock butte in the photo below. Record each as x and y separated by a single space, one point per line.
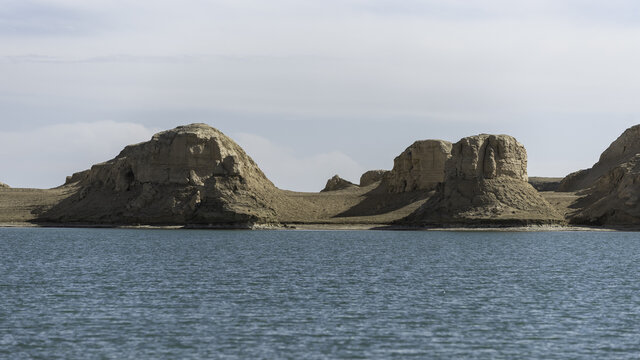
191 174
420 167
485 182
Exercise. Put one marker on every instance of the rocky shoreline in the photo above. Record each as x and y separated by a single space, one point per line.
196 177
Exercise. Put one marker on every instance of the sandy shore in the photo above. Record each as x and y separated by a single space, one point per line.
330 227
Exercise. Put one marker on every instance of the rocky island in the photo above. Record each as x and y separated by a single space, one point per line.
195 176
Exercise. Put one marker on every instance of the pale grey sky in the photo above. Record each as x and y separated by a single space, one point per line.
313 88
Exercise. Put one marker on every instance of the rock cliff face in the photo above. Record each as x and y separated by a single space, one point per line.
191 174
337 183
3 185
487 157
420 167
372 176
485 183
611 188
614 199
620 151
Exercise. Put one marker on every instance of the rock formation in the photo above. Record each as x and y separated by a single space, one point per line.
485 183
419 167
610 189
372 176
192 174
620 151
3 185
614 199
337 183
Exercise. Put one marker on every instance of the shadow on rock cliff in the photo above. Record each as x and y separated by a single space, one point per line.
379 201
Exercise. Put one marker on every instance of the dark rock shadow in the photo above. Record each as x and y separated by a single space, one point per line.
379 201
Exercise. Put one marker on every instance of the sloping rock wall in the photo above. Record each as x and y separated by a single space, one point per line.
623 149
614 199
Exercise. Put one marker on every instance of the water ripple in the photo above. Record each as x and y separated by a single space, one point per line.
130 294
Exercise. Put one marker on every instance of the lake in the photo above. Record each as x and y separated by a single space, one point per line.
197 294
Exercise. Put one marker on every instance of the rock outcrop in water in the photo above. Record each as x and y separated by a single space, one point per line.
619 152
337 183
372 176
192 174
485 183
420 167
3 185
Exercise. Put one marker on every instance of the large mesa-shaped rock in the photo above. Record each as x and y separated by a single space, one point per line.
485 183
372 176
337 183
193 174
420 167
619 152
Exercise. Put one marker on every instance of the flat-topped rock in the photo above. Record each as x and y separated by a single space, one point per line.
420 167
487 157
190 174
485 182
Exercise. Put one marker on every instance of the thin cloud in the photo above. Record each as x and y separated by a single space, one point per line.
46 19
44 156
449 66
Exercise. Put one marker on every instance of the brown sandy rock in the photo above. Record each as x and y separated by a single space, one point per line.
337 183
372 176
485 183
419 167
614 199
620 151
3 185
191 174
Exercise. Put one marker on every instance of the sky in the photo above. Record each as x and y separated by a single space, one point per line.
313 88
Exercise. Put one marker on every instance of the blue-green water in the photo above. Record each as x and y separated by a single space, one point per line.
131 294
